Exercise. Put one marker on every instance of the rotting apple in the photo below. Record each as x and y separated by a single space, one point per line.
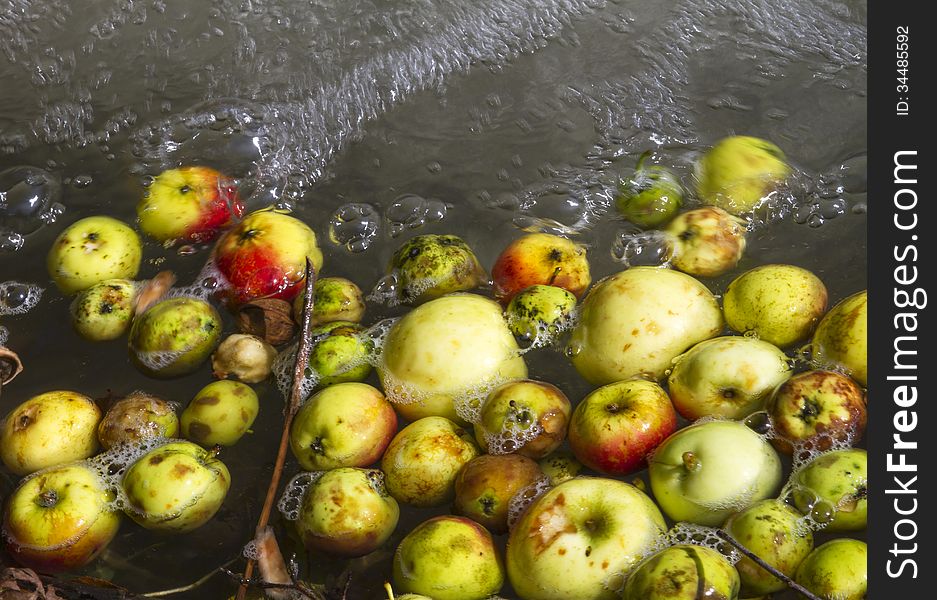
740 172
579 539
92 250
336 299
188 203
264 256
344 425
245 357
683 572
841 338
429 266
538 314
220 413
104 311
833 489
636 321
137 417
836 570
615 427
524 416
174 337
707 241
49 429
540 258
485 485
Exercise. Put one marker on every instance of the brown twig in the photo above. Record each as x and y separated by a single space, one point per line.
724 535
191 586
302 359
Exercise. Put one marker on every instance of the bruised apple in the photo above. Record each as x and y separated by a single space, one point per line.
707 241
485 485
174 337
136 418
683 572
525 416
430 266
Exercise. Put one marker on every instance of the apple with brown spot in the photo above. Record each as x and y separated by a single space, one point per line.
540 259
135 418
486 484
525 416
220 413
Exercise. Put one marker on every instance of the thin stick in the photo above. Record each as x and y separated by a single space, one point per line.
761 563
191 586
302 359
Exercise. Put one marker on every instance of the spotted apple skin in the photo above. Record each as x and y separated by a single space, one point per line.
544 259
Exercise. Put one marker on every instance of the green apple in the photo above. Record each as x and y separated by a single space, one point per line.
245 357
340 353
220 413
728 377
176 487
136 418
739 172
344 425
449 558
49 429
836 570
429 266
560 466
59 519
707 241
579 539
423 460
537 314
440 355
347 512
485 485
174 337
92 250
841 338
836 482
104 310
525 416
651 197
683 572
637 321
336 299
774 532
709 470
780 304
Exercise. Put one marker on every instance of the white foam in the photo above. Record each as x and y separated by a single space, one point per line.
18 298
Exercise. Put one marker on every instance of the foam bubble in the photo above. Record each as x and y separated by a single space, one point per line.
700 535
291 500
411 211
18 298
525 497
354 226
642 248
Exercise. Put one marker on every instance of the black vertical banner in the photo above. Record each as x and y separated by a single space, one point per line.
902 267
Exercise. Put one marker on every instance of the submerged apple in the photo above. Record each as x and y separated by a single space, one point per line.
651 197
544 259
429 266
707 241
174 337
220 413
336 299
136 418
683 572
740 172
92 250
834 489
841 338
538 313
104 311
837 570
340 353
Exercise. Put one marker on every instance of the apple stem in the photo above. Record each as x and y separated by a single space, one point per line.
641 159
724 535
47 499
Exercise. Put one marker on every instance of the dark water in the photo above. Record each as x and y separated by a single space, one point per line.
473 118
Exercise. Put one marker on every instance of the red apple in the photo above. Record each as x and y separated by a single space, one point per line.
188 203
540 259
264 256
615 427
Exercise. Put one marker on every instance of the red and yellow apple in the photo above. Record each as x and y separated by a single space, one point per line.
707 241
486 484
540 259
92 250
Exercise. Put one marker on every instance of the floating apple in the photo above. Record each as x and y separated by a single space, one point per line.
635 322
780 304
220 413
683 572
59 519
728 376
651 197
834 488
264 256
525 416
348 512
245 357
422 461
340 353
104 310
174 337
136 418
614 428
580 538
92 250
707 241
540 258
176 487
336 299
486 484
560 466
739 172
538 313
841 338
836 570
49 429
429 266
188 203
817 408
344 425
709 470
449 558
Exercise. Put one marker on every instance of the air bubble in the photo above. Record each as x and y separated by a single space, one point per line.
354 226
646 248
18 298
28 200
525 497
411 211
759 422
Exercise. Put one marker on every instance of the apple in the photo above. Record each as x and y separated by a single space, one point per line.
49 429
536 315
247 358
188 203
347 512
438 357
264 256
174 337
841 338
448 558
728 377
614 428
709 470
92 250
176 487
429 266
560 466
707 241
651 197
774 532
104 310
579 539
540 258
836 570
423 460
336 299
637 321
220 413
344 425
834 489
59 519
341 352
136 418
525 416
739 172
485 485
780 304
816 408
683 572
